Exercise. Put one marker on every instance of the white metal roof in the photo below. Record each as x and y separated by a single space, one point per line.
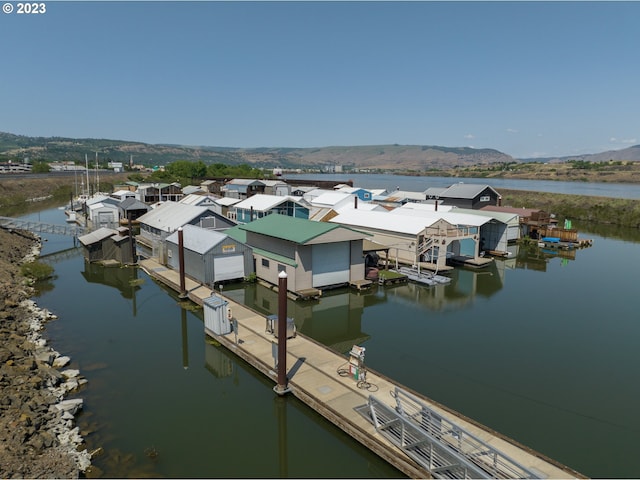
171 215
195 199
362 206
427 207
196 239
400 195
99 205
453 218
316 192
227 201
262 202
244 181
273 183
331 199
381 221
504 217
120 193
97 199
190 189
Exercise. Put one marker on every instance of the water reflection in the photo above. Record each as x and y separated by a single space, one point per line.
124 279
185 339
217 361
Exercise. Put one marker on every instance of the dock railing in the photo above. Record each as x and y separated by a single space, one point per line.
495 463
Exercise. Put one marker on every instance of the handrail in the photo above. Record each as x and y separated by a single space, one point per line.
40 227
488 458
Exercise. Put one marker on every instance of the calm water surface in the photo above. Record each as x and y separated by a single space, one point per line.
540 347
419 184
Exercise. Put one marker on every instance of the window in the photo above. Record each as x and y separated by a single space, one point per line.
265 263
281 268
485 198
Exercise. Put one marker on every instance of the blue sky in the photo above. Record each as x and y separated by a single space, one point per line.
526 78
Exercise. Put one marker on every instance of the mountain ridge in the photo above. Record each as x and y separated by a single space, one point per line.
418 158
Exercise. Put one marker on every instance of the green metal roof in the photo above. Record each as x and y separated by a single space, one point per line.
296 230
240 235
237 234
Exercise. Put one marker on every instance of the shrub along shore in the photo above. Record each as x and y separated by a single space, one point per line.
595 210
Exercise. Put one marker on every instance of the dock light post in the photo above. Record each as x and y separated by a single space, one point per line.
183 289
281 388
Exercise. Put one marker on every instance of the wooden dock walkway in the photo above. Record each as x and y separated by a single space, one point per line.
314 379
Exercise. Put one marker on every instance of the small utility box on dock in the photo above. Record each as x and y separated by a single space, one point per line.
356 362
272 326
217 315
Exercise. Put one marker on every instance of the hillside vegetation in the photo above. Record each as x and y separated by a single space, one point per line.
612 166
378 157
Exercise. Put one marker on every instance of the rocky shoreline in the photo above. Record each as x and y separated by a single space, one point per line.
38 394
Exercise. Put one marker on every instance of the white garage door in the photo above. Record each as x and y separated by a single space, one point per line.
330 264
228 267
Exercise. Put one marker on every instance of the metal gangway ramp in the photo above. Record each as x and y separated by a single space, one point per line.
40 227
439 445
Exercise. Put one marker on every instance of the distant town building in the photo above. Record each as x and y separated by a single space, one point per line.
116 166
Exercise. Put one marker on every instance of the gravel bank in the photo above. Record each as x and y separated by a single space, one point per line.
38 396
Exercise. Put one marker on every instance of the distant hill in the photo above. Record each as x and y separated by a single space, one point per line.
629 154
385 157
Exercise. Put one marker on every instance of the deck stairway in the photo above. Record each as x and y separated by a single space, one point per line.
439 445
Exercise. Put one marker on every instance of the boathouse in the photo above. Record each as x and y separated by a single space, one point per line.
242 188
502 229
361 193
262 205
412 237
276 187
209 256
159 192
132 209
157 224
315 255
102 212
199 199
108 244
461 235
531 220
224 206
465 195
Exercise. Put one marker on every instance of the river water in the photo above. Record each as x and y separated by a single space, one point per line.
540 347
419 184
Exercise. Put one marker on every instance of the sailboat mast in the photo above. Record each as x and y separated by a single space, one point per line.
86 161
97 175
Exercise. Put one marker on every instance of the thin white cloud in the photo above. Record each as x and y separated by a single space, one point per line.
624 141
512 130
469 136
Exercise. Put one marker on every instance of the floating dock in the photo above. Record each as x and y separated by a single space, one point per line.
369 411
